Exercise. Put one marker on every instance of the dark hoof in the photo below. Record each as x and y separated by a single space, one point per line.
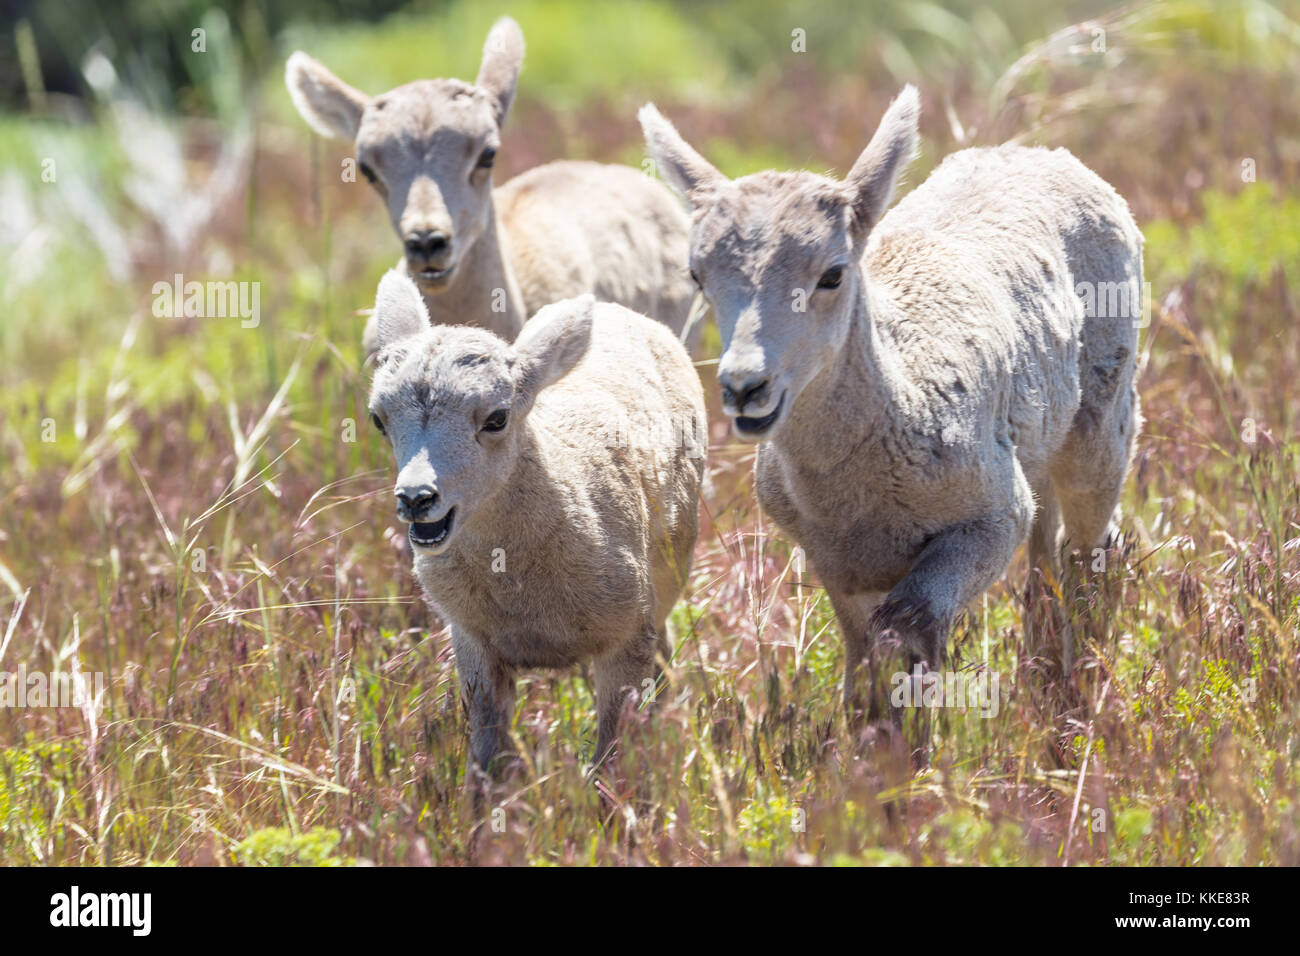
912 624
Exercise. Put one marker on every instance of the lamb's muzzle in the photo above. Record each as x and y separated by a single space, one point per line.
429 257
415 503
757 427
432 536
751 396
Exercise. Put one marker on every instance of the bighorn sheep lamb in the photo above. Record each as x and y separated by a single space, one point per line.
551 491
928 385
564 228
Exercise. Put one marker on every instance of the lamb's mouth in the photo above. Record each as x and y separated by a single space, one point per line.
431 535
432 276
758 427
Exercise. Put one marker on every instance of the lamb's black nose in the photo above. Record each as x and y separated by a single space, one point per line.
738 397
427 243
414 503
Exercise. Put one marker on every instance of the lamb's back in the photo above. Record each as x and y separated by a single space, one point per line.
980 265
574 226
631 405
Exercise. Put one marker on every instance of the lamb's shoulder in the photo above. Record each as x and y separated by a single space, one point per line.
855 540
950 335
573 186
864 519
947 299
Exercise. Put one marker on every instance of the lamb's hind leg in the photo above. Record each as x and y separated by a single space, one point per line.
627 674
1091 511
1045 538
1088 477
1088 471
1044 615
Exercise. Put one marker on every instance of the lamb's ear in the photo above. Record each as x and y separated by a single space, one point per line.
503 57
327 103
399 310
552 343
871 182
689 173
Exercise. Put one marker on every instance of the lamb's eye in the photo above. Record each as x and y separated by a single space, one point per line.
496 421
487 158
378 424
696 280
831 278
367 172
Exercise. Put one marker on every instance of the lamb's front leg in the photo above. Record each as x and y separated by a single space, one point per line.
853 613
955 567
487 686
626 671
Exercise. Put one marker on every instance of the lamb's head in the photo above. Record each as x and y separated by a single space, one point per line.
454 402
777 256
426 147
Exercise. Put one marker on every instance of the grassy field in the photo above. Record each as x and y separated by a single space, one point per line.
197 508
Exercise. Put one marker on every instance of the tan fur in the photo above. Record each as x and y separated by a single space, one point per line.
572 529
949 394
554 232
